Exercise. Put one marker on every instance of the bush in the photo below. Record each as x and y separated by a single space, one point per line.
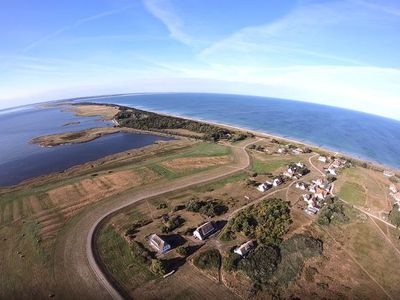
133 228
183 250
209 208
230 261
172 224
261 264
162 205
227 236
158 267
178 207
210 259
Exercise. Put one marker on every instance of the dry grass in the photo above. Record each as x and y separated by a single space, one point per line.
185 163
107 112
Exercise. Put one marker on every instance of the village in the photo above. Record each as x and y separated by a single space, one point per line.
217 230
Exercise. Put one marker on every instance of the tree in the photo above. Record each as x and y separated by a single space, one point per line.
158 267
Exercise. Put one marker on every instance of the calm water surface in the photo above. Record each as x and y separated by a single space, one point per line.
20 160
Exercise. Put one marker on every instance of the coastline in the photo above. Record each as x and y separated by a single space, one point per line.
319 148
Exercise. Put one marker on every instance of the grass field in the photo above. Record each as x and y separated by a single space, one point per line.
353 193
117 257
269 166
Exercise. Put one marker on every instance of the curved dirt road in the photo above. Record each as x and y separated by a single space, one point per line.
75 264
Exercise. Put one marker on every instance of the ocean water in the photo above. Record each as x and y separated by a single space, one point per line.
354 133
20 160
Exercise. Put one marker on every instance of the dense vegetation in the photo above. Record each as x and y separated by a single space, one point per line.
275 267
143 120
210 208
172 223
332 211
210 259
267 222
394 215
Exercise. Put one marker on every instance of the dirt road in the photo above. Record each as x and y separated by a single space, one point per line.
76 267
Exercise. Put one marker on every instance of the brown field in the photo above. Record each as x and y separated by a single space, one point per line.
105 111
180 164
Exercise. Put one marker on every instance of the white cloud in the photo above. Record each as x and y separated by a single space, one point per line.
163 10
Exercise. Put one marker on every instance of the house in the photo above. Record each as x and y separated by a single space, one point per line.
301 186
298 151
307 198
277 181
338 163
204 231
321 193
264 187
388 173
159 243
245 248
311 210
312 188
331 171
317 182
282 150
393 189
300 165
323 159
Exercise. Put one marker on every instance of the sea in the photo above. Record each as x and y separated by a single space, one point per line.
353 133
361 135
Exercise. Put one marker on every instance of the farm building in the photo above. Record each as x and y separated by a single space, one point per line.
204 231
159 243
245 248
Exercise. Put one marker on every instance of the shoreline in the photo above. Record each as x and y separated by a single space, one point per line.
321 148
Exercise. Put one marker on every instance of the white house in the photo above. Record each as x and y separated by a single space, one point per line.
277 181
388 173
159 243
297 151
321 193
393 189
301 185
300 164
245 248
322 158
311 210
264 187
204 231
332 171
282 151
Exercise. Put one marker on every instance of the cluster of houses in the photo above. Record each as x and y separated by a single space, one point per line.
334 165
395 194
293 171
317 191
263 187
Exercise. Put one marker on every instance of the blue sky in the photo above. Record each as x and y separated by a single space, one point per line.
341 53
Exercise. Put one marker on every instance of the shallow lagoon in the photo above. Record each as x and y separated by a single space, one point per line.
20 160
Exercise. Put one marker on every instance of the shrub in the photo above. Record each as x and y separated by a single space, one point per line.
261 264
227 236
183 250
209 208
162 205
178 207
210 259
230 261
172 224
158 267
